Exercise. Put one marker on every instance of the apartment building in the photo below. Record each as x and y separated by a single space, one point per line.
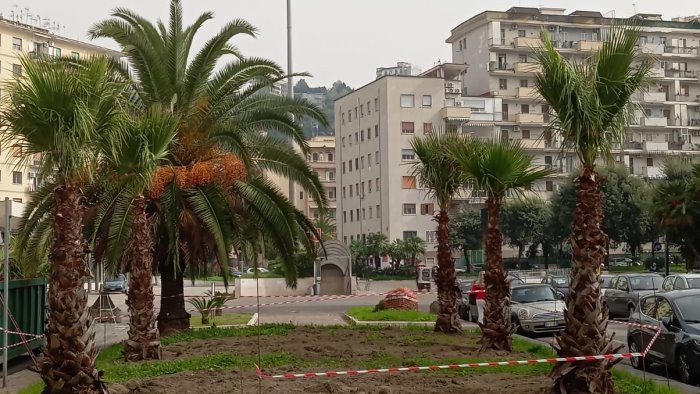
498 47
19 39
375 124
401 68
321 159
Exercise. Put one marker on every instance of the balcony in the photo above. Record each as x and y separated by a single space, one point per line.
585 45
681 50
659 121
694 122
673 73
527 42
657 72
529 93
532 144
529 118
458 113
652 97
652 172
651 146
523 67
652 48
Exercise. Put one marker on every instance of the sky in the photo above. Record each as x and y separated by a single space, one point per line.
332 40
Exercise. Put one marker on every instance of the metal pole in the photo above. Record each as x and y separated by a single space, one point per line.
290 84
6 288
668 260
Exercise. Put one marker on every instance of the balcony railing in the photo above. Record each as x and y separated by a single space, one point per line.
681 50
652 172
671 73
529 118
527 42
585 45
654 146
653 121
649 47
527 67
652 97
456 112
527 92
532 144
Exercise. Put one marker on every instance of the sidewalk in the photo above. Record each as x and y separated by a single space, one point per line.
105 335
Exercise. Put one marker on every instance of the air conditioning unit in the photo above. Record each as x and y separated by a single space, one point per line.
513 26
516 128
458 104
552 28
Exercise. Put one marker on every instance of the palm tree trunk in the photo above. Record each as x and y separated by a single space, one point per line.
497 330
172 317
144 341
448 318
586 317
69 357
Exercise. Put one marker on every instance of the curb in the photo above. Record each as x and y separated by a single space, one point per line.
355 322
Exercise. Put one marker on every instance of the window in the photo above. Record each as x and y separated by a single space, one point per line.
376 183
409 209
362 110
407 128
369 111
355 112
16 150
357 189
350 187
16 44
379 210
521 33
349 116
356 138
301 195
409 234
369 186
427 209
349 165
314 157
343 167
427 101
650 161
407 101
663 309
427 128
342 118
344 194
408 182
369 160
345 239
16 178
331 175
351 216
408 154
503 83
357 161
75 56
648 306
331 213
331 156
370 212
548 161
524 108
362 162
363 214
523 83
57 52
679 283
376 157
376 105
526 134
369 133
343 142
17 70
362 136
17 200
549 186
431 237
668 284
357 215
622 284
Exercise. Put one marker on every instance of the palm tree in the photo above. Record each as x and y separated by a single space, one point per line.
496 167
377 244
593 105
60 110
439 172
327 226
133 162
397 252
222 117
414 246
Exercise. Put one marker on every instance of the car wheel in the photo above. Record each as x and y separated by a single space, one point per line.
685 373
637 362
516 322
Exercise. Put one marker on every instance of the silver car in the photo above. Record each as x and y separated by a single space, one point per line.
681 282
537 308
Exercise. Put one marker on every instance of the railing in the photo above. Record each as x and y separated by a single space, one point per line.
671 73
681 50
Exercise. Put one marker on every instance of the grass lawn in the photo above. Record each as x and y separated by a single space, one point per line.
226 353
367 313
223 320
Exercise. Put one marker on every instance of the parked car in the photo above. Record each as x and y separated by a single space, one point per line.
514 279
626 290
605 281
620 262
681 281
677 314
116 284
260 269
465 285
234 272
560 283
537 308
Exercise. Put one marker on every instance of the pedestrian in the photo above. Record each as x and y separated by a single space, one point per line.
479 291
653 267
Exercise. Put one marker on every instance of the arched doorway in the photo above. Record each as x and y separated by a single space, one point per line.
332 280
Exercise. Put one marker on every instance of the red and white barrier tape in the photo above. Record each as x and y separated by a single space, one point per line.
2 329
22 342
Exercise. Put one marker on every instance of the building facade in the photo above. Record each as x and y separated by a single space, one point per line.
498 46
401 68
16 40
321 159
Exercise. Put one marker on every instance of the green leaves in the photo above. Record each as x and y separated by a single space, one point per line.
437 168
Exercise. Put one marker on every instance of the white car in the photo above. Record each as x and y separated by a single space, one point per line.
262 270
620 262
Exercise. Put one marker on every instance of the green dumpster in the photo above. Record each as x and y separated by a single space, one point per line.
28 307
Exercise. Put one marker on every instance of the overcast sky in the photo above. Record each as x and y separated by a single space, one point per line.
334 39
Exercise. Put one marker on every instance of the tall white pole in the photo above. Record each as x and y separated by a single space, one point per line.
6 289
290 85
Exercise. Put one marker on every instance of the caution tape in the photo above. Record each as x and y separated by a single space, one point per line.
2 329
26 341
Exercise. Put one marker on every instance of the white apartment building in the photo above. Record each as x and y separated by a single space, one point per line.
497 46
321 159
17 39
401 68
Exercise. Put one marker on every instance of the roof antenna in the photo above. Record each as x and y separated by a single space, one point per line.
634 7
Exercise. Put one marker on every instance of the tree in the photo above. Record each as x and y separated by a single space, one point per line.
131 162
436 170
397 252
524 222
466 231
201 211
593 105
360 253
496 167
413 247
377 244
61 110
327 226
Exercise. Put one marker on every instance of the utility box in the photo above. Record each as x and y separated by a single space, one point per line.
28 307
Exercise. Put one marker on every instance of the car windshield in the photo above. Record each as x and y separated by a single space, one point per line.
688 308
561 282
533 294
694 283
646 282
118 278
605 282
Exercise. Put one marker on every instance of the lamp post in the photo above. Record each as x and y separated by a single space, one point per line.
6 288
290 85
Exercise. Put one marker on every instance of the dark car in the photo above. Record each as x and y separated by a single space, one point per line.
560 283
626 290
605 282
465 285
116 283
677 314
514 279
